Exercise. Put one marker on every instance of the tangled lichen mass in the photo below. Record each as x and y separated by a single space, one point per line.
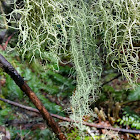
80 29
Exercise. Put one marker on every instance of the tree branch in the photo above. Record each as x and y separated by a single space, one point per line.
70 120
8 68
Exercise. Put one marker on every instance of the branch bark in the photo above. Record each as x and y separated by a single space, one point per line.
8 68
70 120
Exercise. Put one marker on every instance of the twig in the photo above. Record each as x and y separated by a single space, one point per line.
111 80
70 120
8 68
129 102
6 43
136 45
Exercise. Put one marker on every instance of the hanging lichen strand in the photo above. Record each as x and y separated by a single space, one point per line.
51 29
54 29
119 20
43 29
85 54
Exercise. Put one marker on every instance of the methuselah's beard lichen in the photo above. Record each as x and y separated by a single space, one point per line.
119 20
85 54
54 29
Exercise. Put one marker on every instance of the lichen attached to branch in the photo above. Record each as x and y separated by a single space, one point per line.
82 30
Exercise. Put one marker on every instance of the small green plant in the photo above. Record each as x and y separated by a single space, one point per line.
74 135
134 94
130 118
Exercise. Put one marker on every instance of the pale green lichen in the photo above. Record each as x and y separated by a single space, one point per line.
82 30
85 54
119 20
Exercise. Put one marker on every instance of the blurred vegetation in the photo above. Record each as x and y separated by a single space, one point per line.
47 85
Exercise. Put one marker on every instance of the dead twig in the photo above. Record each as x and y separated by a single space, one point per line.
70 120
111 80
8 68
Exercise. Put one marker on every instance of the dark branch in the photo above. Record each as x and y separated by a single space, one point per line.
8 68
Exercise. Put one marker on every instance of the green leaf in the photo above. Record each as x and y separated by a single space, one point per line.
51 89
51 107
11 89
135 94
5 112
